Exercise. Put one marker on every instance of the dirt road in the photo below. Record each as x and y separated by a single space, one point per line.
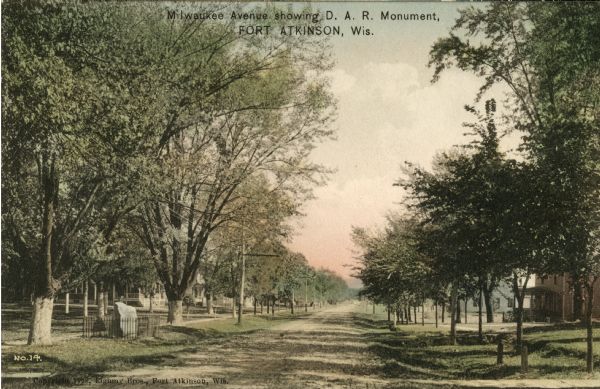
330 349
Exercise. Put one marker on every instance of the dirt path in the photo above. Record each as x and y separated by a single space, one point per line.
325 350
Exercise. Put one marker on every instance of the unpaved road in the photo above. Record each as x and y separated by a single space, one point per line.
325 350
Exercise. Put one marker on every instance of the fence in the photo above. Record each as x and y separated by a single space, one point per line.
130 328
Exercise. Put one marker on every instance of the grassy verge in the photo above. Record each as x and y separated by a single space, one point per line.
423 352
82 358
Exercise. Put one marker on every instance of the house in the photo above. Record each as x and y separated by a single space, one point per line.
503 301
552 299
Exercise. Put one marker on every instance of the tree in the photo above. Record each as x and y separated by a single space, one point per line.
59 102
264 121
548 58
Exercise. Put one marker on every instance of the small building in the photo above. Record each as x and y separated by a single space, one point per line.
503 301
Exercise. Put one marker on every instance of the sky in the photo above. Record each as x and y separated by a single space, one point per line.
389 112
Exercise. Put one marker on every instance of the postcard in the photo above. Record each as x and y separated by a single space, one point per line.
344 194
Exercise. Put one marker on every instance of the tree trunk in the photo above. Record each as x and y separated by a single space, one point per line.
422 313
373 307
443 311
520 294
407 312
389 313
480 315
588 323
489 307
106 302
292 303
268 306
255 306
465 313
67 302
436 314
453 306
577 298
175 316
261 306
209 304
457 308
151 298
233 308
41 322
273 308
44 285
415 313
101 304
85 298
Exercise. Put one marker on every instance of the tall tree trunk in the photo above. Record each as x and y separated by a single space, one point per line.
443 312
100 301
407 311
175 315
45 286
292 303
268 306
457 308
489 307
589 286
520 294
41 322
465 313
67 302
273 308
233 308
389 313
415 312
85 298
480 315
255 306
577 298
436 314
453 305
422 313
106 302
209 303
151 298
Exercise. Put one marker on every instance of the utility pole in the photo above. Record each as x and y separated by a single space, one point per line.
305 294
243 277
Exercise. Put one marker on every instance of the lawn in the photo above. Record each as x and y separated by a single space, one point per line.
82 358
415 351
